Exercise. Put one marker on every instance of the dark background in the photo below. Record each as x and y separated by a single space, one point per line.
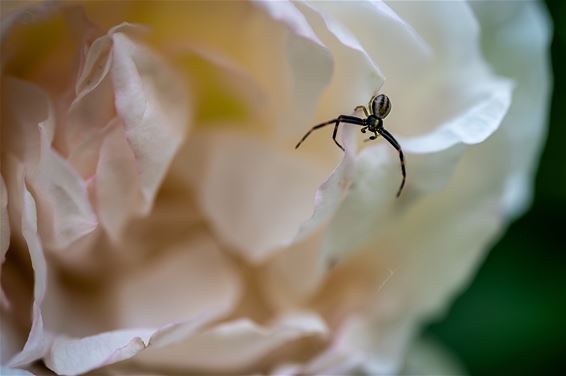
512 319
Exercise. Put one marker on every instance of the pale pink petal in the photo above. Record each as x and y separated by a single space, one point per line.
482 107
379 347
311 67
4 232
72 356
179 287
76 356
60 193
293 275
4 371
236 344
243 185
518 47
151 100
450 29
333 190
116 182
430 357
67 214
399 51
369 204
356 77
25 106
38 341
12 341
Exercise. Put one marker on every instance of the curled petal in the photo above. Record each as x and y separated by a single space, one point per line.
38 340
178 287
4 232
241 191
152 103
237 344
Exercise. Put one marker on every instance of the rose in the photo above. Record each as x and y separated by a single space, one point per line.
158 202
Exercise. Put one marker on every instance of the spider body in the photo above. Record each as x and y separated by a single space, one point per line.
379 107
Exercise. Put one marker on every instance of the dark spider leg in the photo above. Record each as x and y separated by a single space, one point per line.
340 119
389 137
345 119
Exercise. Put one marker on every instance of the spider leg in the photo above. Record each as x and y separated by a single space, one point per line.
363 108
313 129
336 121
389 137
345 119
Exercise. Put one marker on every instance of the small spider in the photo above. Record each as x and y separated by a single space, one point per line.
379 106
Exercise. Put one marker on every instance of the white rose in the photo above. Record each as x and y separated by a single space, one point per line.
154 208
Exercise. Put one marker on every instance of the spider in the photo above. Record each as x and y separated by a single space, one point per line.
379 107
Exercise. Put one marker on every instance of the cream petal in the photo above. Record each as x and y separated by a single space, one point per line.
237 344
517 46
4 232
62 194
378 347
450 29
311 67
399 51
116 182
293 275
14 372
12 341
152 102
478 111
426 356
334 189
239 183
369 204
26 105
356 77
73 356
38 340
178 287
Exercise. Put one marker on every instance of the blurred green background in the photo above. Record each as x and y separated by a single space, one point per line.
512 319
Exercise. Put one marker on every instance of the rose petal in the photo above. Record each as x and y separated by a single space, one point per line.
4 233
66 214
116 182
399 51
241 190
69 356
483 106
517 46
179 287
429 357
293 275
451 30
38 341
152 102
377 178
356 77
14 372
76 356
12 341
63 197
236 344
310 63
333 190
26 106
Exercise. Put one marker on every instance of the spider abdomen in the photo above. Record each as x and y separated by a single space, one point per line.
380 106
